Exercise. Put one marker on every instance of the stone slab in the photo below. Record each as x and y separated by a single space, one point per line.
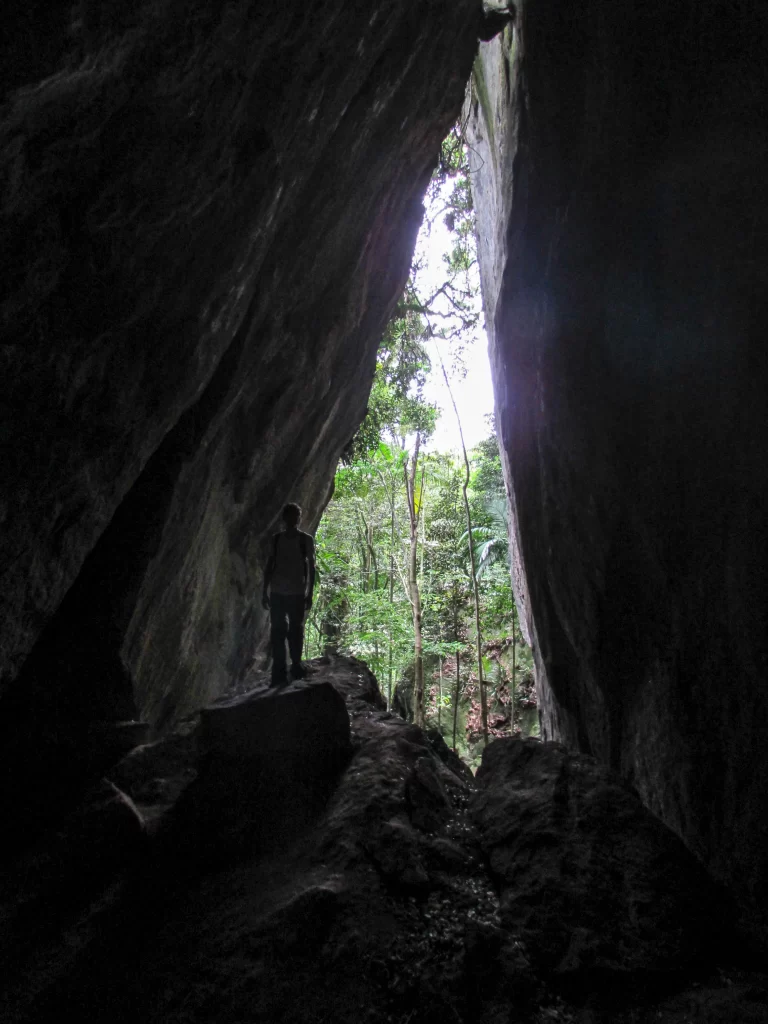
303 721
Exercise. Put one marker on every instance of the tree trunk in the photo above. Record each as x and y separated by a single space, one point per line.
423 526
413 587
330 628
475 591
371 562
391 579
456 699
476 595
391 595
440 693
514 668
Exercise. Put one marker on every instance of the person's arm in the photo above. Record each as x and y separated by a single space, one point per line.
310 573
268 578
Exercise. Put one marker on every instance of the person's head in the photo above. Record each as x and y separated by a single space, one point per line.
291 515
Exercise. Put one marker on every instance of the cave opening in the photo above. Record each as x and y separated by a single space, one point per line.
397 502
208 221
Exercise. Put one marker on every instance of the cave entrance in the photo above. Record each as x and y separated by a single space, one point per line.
411 570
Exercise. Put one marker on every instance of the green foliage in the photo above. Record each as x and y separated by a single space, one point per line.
362 603
452 163
449 306
362 589
396 406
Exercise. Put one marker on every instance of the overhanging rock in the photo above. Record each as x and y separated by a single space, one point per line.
207 221
618 171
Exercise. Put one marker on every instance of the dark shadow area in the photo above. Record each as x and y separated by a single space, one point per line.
70 714
238 810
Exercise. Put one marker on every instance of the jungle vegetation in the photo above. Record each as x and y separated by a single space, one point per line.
412 551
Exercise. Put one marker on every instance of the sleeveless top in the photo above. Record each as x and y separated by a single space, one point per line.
289 576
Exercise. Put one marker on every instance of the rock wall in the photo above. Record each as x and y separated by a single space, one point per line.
208 213
620 159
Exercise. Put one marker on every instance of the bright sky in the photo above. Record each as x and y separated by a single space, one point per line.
472 390
473 394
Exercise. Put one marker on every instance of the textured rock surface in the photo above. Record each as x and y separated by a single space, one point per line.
57 880
154 775
301 722
589 879
269 759
48 766
374 900
208 212
621 159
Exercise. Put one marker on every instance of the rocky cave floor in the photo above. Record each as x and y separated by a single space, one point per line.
364 877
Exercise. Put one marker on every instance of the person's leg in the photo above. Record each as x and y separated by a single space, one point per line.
296 635
277 617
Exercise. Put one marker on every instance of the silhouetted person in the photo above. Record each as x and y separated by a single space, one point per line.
289 580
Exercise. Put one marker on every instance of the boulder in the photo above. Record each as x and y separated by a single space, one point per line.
353 680
429 805
449 757
590 880
305 724
380 904
270 759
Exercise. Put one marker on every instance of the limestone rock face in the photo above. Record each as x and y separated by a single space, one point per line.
590 880
621 156
208 213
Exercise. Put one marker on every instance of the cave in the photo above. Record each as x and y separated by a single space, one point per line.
209 212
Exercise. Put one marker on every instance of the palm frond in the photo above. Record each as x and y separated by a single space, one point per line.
491 552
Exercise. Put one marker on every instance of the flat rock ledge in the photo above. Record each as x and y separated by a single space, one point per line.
269 760
305 724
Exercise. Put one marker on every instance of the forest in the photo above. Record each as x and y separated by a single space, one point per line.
412 550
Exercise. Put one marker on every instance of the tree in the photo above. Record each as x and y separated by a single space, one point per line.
414 501
415 544
448 605
449 303
475 591
396 400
